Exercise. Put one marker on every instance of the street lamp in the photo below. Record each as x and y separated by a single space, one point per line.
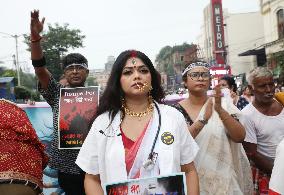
17 57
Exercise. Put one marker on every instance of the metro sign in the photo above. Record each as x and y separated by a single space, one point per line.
218 27
217 17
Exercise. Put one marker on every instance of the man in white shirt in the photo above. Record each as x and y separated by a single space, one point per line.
264 123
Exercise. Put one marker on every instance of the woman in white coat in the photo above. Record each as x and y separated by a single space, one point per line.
134 136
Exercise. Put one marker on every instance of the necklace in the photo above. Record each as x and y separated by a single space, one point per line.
148 110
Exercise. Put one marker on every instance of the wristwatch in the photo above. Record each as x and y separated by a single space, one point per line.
203 121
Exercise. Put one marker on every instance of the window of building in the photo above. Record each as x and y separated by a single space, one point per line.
181 58
280 23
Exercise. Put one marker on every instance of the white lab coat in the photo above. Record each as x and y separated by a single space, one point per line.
103 151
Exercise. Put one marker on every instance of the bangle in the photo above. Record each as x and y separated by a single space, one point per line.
203 121
36 40
39 63
35 37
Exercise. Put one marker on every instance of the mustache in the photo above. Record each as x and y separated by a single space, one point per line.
269 94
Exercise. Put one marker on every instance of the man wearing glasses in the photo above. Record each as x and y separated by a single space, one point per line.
75 65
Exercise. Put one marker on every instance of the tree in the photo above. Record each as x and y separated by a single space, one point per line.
163 58
182 47
22 93
164 53
27 79
57 40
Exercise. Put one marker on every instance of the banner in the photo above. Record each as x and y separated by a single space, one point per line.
40 115
77 109
162 185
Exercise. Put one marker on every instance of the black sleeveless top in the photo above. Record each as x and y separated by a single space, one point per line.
184 113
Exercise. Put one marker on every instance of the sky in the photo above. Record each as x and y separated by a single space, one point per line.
110 26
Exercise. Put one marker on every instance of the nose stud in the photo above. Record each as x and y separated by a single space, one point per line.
143 87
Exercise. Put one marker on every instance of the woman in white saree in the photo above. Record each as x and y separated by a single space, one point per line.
221 163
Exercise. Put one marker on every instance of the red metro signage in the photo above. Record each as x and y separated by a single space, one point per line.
217 17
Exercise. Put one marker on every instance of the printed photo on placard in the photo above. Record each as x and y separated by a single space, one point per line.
162 185
77 110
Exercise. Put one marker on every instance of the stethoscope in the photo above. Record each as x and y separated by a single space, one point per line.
152 157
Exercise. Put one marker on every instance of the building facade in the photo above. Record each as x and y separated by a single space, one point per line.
109 63
273 16
101 76
225 35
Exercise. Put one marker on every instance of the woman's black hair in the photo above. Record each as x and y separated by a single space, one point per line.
111 99
231 82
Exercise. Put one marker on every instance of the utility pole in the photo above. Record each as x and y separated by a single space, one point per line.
17 56
17 60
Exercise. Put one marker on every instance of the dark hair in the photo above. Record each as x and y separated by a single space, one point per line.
231 82
113 94
74 58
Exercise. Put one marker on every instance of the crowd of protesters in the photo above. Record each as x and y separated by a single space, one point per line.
229 145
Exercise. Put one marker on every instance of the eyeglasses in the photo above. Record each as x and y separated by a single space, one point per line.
196 75
72 68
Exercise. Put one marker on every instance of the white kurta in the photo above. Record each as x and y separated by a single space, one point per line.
103 151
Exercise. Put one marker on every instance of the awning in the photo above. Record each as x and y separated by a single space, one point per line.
6 79
253 52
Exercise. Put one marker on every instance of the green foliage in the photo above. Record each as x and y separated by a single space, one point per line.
22 93
27 79
35 96
164 53
182 47
164 59
9 73
278 58
56 43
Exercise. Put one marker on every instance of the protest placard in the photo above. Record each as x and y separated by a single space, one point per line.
77 109
161 185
